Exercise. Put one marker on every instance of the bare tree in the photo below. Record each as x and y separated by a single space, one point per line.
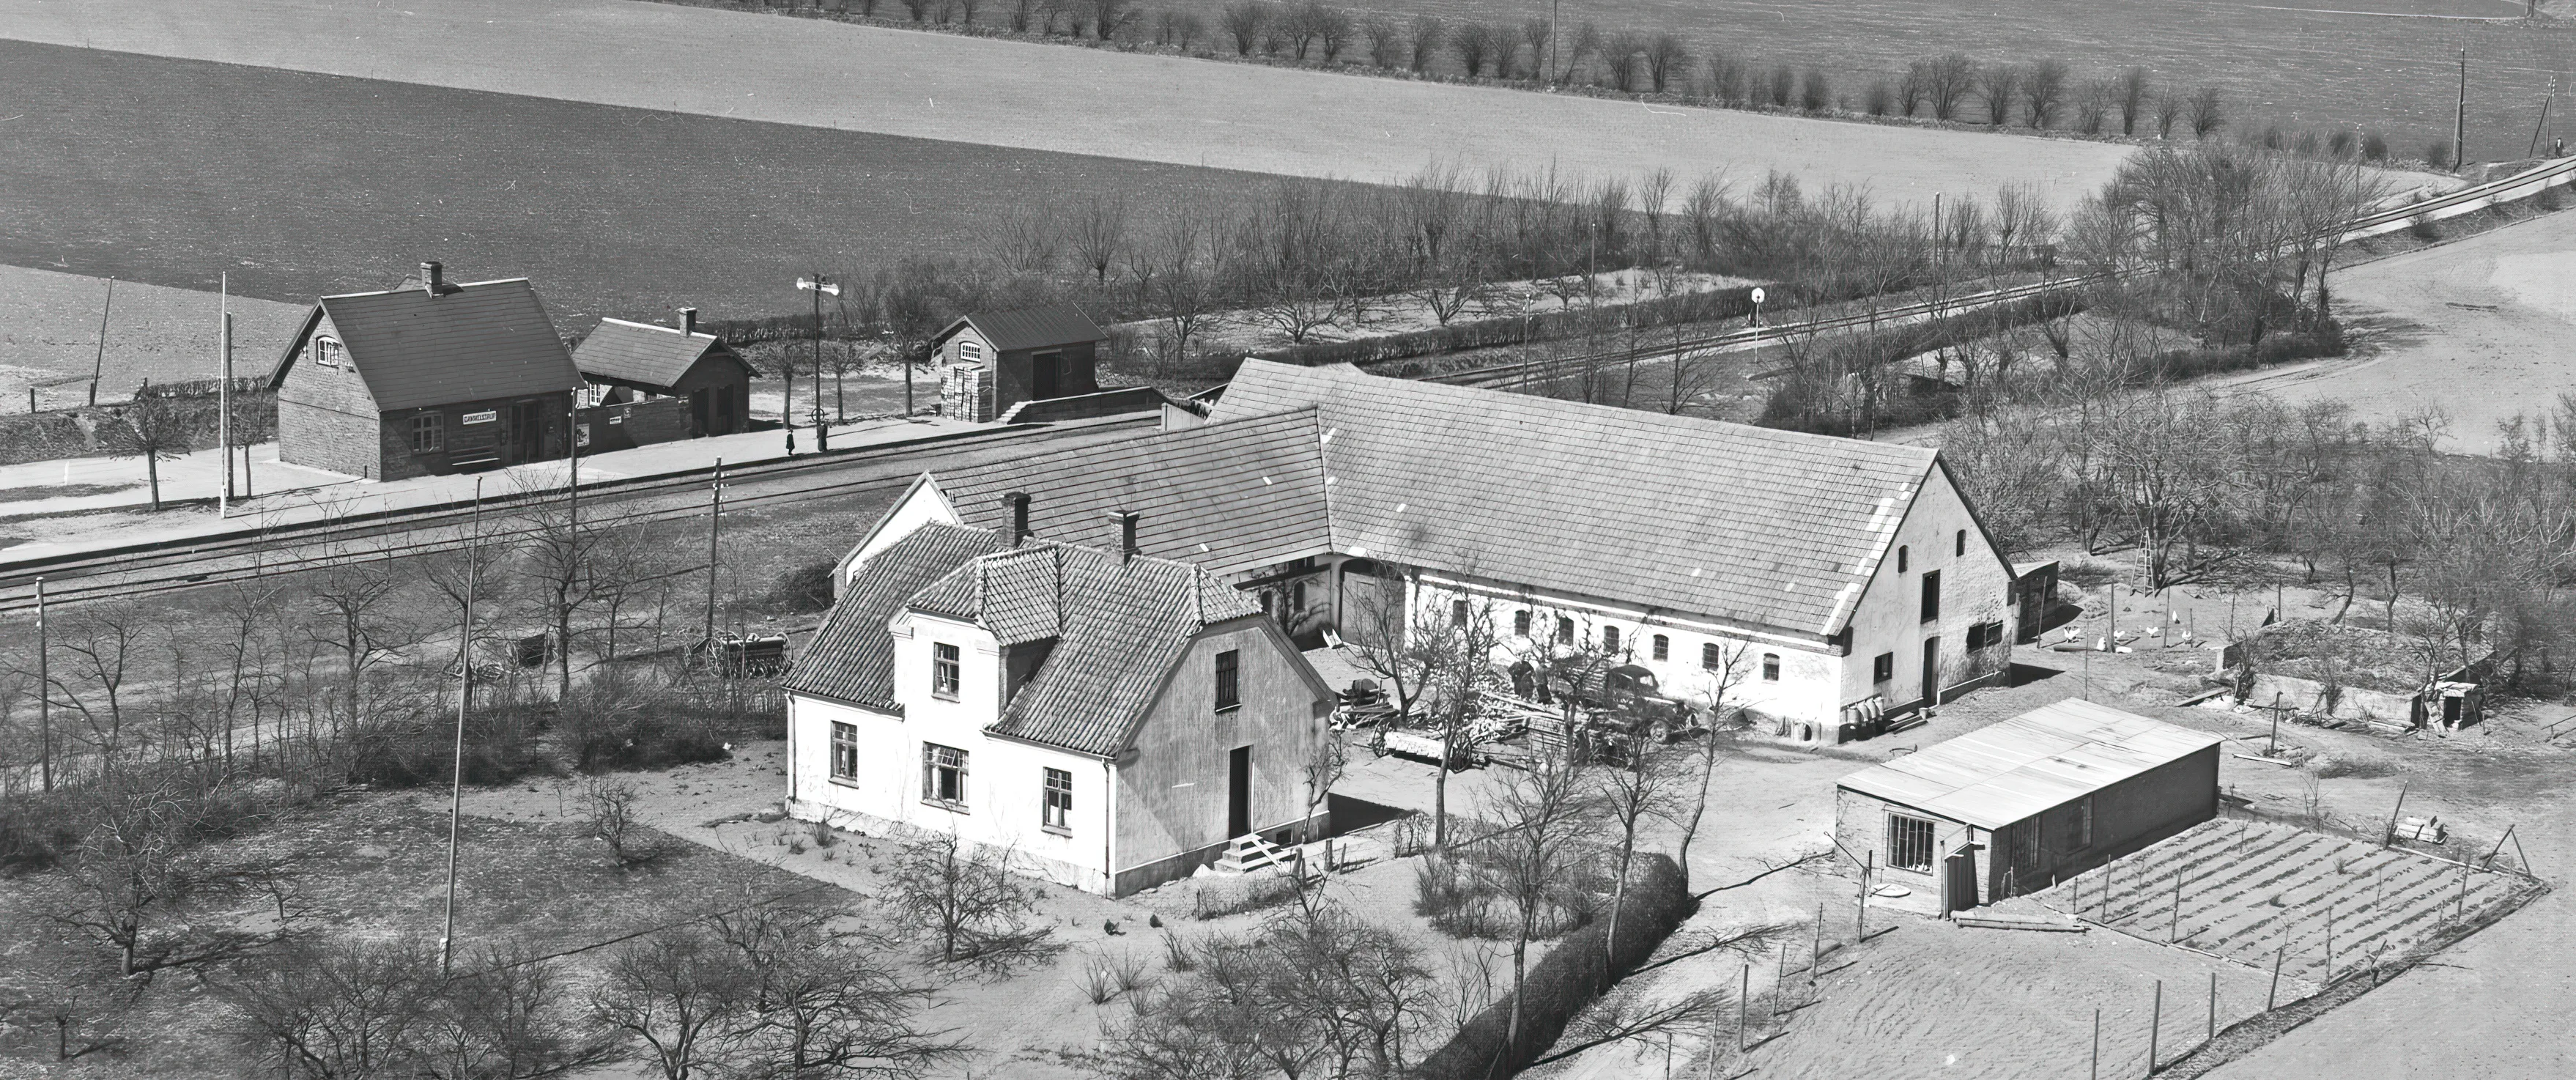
1621 57
1541 849
1385 40
680 991
141 875
2205 113
347 1011
2132 94
611 804
1427 34
1536 33
2043 92
1997 84
2168 110
1098 233
1667 58
965 898
159 431
507 1019
1244 22
823 1004
1724 670
1946 82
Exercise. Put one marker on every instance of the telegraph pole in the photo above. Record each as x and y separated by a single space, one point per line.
2460 119
715 520
44 692
464 702
819 286
224 389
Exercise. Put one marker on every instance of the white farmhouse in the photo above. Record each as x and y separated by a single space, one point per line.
1109 721
1833 581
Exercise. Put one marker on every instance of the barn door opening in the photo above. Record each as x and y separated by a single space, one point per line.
1238 792
1046 376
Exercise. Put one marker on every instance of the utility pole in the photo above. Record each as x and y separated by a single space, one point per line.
2543 125
715 521
1551 42
44 692
819 286
224 389
464 702
2460 119
98 364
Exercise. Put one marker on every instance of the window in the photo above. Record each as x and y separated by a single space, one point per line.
943 670
1883 669
1985 635
1931 595
1663 647
1900 559
943 775
327 352
1712 657
845 751
426 433
1963 543
1520 623
970 351
1564 630
1457 613
1770 667
1909 843
1610 640
1057 814
1229 679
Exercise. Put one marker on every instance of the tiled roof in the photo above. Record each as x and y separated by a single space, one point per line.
488 339
2044 758
1228 497
640 352
852 657
1029 328
1747 524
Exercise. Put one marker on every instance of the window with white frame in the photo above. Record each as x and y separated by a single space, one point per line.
971 352
1909 843
327 352
1057 813
428 433
943 775
845 751
944 674
1712 657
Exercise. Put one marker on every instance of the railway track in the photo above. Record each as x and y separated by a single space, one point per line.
148 570
2451 204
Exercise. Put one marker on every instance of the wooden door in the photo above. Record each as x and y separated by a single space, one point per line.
701 415
1959 880
1238 792
1931 671
1046 376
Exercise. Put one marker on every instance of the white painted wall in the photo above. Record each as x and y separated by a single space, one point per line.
1975 587
920 504
1005 781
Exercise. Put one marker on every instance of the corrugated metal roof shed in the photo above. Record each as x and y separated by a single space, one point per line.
2031 763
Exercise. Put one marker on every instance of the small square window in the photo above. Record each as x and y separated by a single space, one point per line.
1909 843
1610 640
428 433
1229 679
1770 667
944 673
943 774
845 751
1883 669
1057 813
1663 647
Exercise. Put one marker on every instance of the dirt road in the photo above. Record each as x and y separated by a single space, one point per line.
940 86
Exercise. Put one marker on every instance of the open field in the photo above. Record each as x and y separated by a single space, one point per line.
2477 327
940 86
171 171
2350 63
153 332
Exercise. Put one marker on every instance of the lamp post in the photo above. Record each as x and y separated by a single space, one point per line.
820 286
1758 297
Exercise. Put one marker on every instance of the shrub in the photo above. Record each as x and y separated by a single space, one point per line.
36 831
2340 144
1177 954
2421 227
1882 98
1815 94
2438 154
1098 985
1447 893
804 589
2550 198
1567 979
1217 898
2360 764
1784 84
2374 147
613 820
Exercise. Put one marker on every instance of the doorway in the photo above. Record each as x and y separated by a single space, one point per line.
1046 376
1931 671
1959 880
1238 792
527 431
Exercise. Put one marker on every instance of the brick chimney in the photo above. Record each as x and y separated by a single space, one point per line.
1126 519
687 320
1017 504
433 279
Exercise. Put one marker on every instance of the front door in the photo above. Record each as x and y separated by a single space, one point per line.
703 423
1959 880
1931 671
527 432
1046 376
1238 792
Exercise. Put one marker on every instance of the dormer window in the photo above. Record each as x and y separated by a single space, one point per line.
944 673
328 353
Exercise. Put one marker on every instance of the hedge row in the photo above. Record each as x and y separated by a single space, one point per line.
1550 326
1568 979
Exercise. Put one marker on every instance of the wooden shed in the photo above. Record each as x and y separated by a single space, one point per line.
2018 806
662 383
992 361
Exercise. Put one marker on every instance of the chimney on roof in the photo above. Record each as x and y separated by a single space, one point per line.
1126 520
1017 503
433 280
686 320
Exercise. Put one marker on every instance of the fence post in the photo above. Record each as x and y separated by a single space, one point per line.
2274 996
2329 942
2097 1045
2174 928
2213 1006
1860 926
1743 1007
2155 1026
2463 910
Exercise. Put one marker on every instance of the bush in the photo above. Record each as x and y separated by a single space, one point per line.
2340 144
805 589
1567 979
36 831
1446 892
1709 306
1882 98
1815 94
2374 147
1218 898
2438 153
2422 227
2360 764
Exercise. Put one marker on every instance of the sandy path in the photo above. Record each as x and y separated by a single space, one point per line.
2479 328
941 86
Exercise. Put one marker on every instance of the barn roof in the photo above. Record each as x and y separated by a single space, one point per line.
1756 525
1028 328
2041 759
1228 497
485 339
643 353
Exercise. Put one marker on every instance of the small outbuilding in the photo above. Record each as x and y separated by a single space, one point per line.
434 377
992 361
661 383
2018 806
